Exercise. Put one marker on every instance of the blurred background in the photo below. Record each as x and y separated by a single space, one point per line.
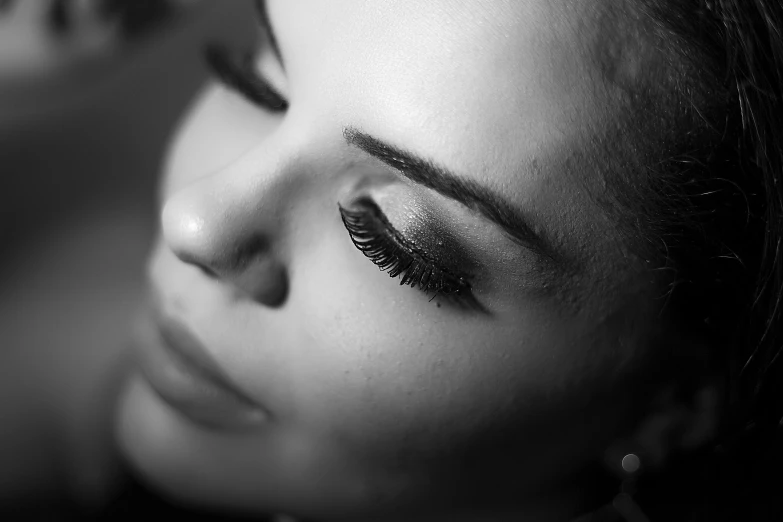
90 91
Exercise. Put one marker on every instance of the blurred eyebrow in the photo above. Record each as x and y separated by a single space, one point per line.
473 195
262 14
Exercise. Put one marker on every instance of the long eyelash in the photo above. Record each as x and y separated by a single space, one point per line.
375 237
241 76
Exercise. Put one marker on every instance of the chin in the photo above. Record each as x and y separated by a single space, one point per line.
256 474
168 454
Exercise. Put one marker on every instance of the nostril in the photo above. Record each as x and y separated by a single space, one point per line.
208 272
203 263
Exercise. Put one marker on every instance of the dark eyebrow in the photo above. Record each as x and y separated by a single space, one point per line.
471 194
263 20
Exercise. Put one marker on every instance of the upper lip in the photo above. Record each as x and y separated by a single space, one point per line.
185 345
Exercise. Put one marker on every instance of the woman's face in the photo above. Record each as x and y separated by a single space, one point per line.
466 141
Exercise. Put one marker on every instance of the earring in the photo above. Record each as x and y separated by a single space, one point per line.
623 461
627 466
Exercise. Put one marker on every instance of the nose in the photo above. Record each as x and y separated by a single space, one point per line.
228 225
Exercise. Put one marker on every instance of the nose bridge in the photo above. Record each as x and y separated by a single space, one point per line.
227 223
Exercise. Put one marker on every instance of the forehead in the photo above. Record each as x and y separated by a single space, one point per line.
456 72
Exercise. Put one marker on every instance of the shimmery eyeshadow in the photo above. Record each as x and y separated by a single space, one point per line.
424 228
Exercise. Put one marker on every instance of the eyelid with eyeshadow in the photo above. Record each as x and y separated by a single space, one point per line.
379 241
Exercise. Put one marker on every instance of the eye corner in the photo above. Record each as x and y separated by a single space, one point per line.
237 72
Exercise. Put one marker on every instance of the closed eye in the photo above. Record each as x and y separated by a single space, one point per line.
390 251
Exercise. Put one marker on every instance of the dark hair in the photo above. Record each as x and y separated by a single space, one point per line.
717 220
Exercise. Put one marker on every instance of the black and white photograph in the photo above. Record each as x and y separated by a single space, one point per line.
391 260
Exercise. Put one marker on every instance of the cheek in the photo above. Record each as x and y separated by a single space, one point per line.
381 369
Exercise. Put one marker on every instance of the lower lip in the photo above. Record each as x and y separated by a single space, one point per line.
179 384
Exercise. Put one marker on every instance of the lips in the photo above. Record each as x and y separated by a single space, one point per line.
179 368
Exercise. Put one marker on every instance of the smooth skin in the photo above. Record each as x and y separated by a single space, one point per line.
382 403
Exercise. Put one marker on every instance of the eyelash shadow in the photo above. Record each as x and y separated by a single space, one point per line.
240 75
376 238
